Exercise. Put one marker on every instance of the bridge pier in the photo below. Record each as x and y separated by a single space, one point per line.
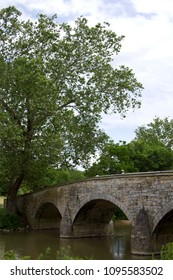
66 227
141 241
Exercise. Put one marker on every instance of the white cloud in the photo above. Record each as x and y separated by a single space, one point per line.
155 6
147 48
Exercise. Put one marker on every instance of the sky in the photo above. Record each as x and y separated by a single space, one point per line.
147 49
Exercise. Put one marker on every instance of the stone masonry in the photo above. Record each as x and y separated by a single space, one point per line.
85 209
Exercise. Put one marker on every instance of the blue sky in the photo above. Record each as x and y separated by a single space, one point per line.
147 49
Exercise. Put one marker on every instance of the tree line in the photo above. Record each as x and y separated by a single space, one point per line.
150 150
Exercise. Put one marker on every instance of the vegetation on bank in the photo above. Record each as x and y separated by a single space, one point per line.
166 252
9 221
65 253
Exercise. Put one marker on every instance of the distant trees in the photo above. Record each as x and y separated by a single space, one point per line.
113 159
151 150
160 130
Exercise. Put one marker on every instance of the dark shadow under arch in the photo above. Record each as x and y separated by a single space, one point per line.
47 217
106 197
93 218
163 232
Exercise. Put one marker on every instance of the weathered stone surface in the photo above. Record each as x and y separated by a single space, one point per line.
86 208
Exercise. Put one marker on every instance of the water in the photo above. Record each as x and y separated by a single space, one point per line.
34 243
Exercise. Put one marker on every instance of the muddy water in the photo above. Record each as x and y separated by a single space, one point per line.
33 243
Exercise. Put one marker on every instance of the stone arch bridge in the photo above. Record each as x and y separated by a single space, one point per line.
85 209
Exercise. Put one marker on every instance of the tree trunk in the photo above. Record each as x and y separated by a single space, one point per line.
12 195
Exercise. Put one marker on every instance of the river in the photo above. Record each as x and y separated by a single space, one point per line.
33 243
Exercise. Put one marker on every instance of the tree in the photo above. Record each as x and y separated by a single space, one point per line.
154 145
56 80
150 150
114 159
158 130
63 176
151 156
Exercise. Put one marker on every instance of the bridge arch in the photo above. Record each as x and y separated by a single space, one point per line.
103 196
161 213
47 216
163 227
94 213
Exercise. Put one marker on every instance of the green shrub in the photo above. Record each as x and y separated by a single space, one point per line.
11 255
167 252
8 221
45 255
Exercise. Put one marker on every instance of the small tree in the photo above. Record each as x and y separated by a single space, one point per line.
56 80
154 145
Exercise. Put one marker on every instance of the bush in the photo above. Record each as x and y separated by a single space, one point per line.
167 252
8 221
11 255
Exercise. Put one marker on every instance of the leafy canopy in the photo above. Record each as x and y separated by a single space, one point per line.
158 130
150 150
56 80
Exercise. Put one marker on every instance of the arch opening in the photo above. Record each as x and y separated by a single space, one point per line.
163 232
95 218
47 217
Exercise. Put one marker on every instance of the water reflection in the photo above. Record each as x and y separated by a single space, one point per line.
34 243
120 247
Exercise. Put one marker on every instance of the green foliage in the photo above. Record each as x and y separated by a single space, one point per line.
8 221
167 252
62 176
11 255
151 150
113 160
152 156
63 254
56 81
159 130
154 145
45 255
